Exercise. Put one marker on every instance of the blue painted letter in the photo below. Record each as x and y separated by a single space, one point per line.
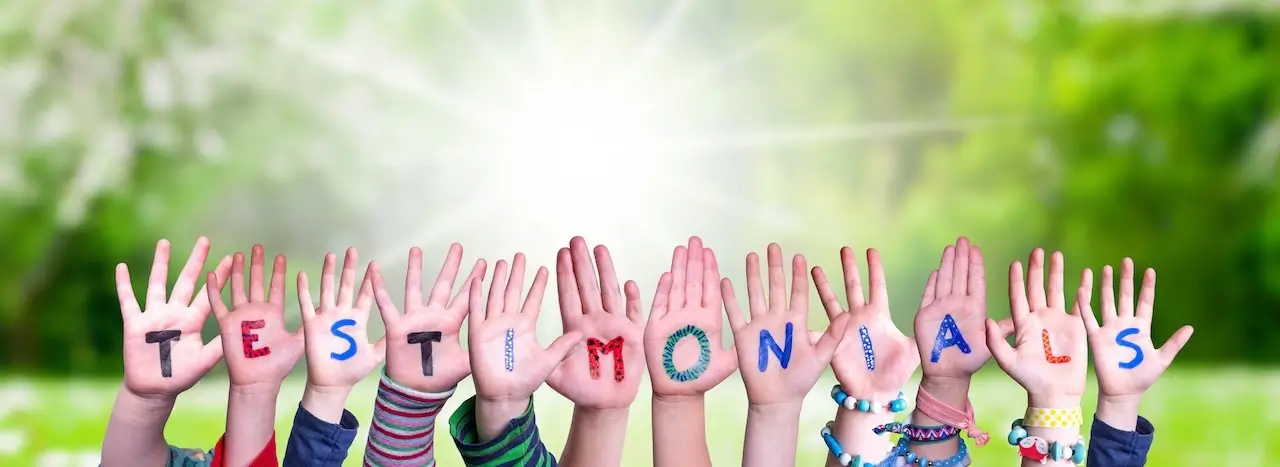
351 342
1137 351
948 335
669 352
868 352
767 344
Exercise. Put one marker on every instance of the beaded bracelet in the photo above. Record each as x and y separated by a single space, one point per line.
903 450
844 458
919 434
851 403
1038 449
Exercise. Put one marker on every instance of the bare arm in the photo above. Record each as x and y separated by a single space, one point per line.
135 432
595 434
772 432
680 431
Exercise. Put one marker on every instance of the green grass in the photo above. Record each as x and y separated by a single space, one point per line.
1202 417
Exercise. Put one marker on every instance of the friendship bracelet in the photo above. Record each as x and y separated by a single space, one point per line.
902 450
919 434
939 411
1039 449
848 402
845 459
1053 418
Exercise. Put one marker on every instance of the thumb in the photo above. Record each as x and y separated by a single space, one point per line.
563 346
1000 348
210 355
380 349
830 340
723 364
1174 345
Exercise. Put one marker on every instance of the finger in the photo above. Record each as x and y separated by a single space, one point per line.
731 308
1108 296
930 289
238 295
215 296
830 340
201 303
694 271
723 364
210 355
328 276
515 286
710 280
124 291
386 305
799 287
584 275
1007 327
960 269
679 266
777 279
946 268
1084 298
1057 291
755 289
977 274
185 287
305 306
533 303
610 292
460 299
562 347
475 306
567 287
1035 280
1018 306
1147 296
364 298
661 297
276 289
380 349
443 286
1125 299
497 289
1176 342
830 302
879 286
347 279
634 312
257 275
1000 348
852 281
159 274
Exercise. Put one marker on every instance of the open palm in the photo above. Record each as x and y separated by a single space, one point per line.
1122 369
876 364
163 351
506 360
682 339
1050 355
423 348
951 321
257 346
604 371
788 374
333 360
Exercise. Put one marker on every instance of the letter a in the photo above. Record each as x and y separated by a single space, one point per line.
767 344
948 335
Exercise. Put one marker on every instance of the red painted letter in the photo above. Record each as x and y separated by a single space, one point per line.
1048 354
247 338
595 347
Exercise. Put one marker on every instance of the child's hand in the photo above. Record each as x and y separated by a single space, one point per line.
777 338
337 341
682 339
1124 357
605 371
427 329
1049 355
163 351
507 363
258 348
876 364
949 324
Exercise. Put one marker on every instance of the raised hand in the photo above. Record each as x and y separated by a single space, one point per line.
258 348
163 351
1124 358
603 372
876 364
423 349
788 361
1049 355
338 351
950 323
682 340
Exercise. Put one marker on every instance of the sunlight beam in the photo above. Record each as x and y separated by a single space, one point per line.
535 13
656 40
775 138
487 50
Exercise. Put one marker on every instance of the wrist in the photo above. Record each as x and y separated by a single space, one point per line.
1119 412
143 409
775 410
951 391
325 402
1053 401
494 413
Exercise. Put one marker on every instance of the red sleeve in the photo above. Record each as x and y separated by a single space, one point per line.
265 458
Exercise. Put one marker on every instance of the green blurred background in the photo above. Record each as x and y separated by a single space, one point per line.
1099 128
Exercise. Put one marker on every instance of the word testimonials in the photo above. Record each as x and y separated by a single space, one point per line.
164 338
768 344
704 354
247 338
1048 352
1137 351
424 341
868 352
948 336
509 350
336 329
595 347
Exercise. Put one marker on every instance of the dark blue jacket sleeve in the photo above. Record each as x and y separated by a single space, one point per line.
1109 447
315 442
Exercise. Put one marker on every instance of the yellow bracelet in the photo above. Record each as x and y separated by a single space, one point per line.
1053 418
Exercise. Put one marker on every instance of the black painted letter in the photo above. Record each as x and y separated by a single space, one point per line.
163 338
424 339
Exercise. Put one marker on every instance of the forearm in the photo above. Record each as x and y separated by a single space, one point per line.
771 435
135 431
493 415
324 402
1120 412
251 412
595 437
954 392
517 444
854 431
680 431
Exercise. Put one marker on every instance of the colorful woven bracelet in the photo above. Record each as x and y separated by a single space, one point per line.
864 405
919 434
845 459
1039 449
902 450
1053 418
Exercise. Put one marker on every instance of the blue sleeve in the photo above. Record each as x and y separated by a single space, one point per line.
1109 447
315 442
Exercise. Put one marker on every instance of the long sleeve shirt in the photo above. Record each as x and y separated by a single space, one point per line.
517 446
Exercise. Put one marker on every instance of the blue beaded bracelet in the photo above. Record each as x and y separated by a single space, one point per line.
850 403
845 459
904 451
1039 449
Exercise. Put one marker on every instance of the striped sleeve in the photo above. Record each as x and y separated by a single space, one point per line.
518 445
403 428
